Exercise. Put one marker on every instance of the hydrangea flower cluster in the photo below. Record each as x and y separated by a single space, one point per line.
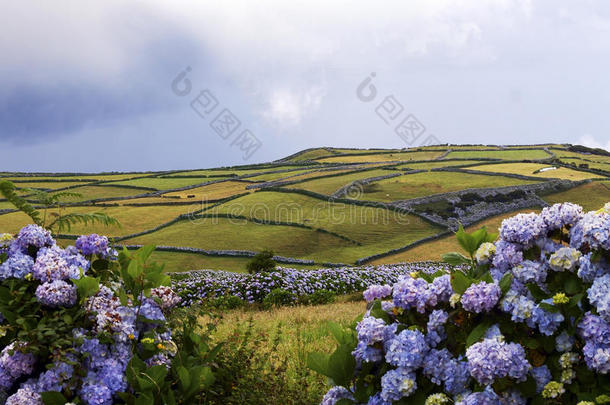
530 319
91 365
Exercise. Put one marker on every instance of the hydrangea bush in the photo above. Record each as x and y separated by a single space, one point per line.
195 286
85 325
527 323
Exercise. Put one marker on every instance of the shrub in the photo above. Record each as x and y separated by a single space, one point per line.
227 302
278 297
262 262
528 322
321 297
88 326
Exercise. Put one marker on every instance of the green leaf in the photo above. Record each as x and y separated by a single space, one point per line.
378 312
487 277
7 189
86 286
460 282
53 398
477 333
572 285
318 362
341 365
185 378
505 282
344 401
466 241
548 307
145 251
455 258
134 269
537 292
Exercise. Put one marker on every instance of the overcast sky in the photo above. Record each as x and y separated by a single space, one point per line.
87 86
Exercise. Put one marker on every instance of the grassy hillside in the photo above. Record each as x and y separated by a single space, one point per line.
287 206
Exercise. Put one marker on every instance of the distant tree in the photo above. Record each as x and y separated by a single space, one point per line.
262 262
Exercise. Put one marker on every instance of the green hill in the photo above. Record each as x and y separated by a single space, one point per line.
327 205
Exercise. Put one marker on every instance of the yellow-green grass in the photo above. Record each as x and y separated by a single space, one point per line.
591 157
95 192
277 175
13 222
235 171
528 169
383 157
428 183
303 330
312 154
591 196
132 219
166 184
458 147
5 205
377 229
52 185
182 261
211 191
227 234
434 249
318 174
360 151
329 185
89 177
592 165
500 154
435 164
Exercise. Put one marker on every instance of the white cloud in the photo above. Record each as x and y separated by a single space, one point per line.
287 108
592 142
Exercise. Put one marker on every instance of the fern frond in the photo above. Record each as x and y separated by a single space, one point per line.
48 199
7 189
65 222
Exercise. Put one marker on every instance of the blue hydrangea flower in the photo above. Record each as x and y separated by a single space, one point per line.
93 244
564 259
96 394
481 297
17 363
523 229
487 397
507 255
18 265
542 376
530 271
407 349
54 264
593 230
547 321
371 330
589 271
520 307
396 384
599 295
32 236
335 394
564 342
55 378
435 330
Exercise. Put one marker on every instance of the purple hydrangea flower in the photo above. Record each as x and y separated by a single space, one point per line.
25 396
16 364
93 244
491 359
558 216
56 293
376 292
96 394
54 264
371 330
542 376
32 236
481 297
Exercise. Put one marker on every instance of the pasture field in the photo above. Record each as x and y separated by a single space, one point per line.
95 192
591 196
501 154
235 234
529 169
346 232
423 184
383 157
166 183
329 185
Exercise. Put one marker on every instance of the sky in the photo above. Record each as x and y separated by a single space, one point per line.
161 85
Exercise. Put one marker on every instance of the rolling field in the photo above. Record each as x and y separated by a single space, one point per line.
301 226
530 169
423 184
